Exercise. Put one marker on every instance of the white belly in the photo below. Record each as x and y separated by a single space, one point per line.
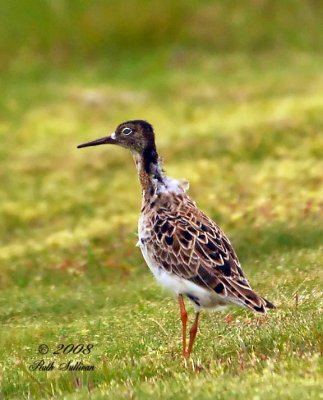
204 298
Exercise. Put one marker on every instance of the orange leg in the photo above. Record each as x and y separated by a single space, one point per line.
193 333
184 322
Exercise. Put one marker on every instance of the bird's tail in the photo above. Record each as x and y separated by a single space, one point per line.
268 304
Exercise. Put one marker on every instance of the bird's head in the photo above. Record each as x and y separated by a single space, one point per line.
137 136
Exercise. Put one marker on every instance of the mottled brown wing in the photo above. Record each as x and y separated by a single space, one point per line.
190 245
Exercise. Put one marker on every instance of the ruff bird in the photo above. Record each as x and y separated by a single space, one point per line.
185 250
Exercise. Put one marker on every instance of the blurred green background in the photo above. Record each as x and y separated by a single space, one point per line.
79 31
234 90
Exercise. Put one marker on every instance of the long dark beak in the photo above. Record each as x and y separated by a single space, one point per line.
104 140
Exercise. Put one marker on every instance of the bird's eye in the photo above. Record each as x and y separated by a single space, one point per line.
126 131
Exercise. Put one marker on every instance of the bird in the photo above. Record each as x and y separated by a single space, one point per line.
186 251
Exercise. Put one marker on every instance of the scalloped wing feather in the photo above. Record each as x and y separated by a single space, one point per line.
183 241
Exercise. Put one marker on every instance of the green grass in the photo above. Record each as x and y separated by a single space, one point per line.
64 32
247 133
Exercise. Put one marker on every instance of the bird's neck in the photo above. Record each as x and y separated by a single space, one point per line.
150 172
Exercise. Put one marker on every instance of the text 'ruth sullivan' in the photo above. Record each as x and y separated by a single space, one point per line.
41 365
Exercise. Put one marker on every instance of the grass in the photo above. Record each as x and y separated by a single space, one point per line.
247 133
64 32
